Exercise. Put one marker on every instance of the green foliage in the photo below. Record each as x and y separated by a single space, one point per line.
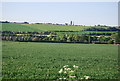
35 39
52 36
116 37
28 60
111 42
87 32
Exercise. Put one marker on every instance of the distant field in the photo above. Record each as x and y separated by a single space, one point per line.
18 27
86 32
31 60
39 27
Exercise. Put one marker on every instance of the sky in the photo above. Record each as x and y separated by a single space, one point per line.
81 13
59 0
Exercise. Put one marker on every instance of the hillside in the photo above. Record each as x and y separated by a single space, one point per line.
39 27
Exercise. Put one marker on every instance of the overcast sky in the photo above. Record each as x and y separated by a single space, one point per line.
82 13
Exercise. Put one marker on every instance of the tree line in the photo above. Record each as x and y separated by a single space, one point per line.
69 38
102 29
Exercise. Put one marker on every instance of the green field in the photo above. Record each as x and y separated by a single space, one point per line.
38 60
86 32
35 60
39 27
16 27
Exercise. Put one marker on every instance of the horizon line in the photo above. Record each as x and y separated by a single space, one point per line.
56 23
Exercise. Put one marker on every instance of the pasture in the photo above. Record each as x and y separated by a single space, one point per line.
37 60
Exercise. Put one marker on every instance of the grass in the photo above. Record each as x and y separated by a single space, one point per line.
44 27
57 27
87 32
31 60
39 27
17 27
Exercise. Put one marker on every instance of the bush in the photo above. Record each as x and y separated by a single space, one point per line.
35 39
111 42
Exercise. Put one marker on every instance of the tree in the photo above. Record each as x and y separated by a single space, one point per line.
94 38
35 39
98 25
25 38
102 39
26 23
57 38
54 39
84 38
111 42
63 38
116 37
76 38
70 38
66 23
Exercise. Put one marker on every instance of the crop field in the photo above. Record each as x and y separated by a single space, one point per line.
39 27
38 60
87 32
18 27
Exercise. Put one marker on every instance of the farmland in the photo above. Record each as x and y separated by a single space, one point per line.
19 27
39 27
59 33
36 60
28 54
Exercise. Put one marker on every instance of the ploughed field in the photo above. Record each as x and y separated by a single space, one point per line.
35 60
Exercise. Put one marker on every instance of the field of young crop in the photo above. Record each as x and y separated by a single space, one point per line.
39 27
18 27
36 60
87 32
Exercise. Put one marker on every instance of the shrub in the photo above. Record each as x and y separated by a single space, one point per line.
111 42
